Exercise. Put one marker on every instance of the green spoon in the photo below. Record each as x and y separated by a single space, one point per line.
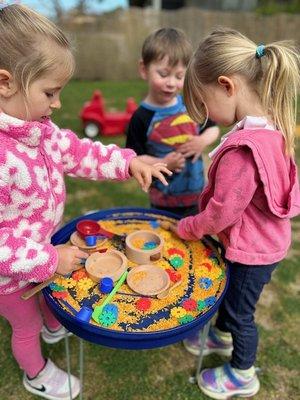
98 309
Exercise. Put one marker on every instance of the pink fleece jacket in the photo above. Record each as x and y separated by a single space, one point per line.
34 157
252 193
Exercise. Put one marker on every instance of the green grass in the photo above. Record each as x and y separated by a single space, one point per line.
161 374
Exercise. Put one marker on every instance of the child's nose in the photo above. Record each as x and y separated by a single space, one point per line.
56 104
171 81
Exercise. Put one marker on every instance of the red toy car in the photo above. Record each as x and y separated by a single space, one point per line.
96 121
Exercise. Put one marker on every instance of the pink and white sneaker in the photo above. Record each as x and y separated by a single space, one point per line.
52 383
224 382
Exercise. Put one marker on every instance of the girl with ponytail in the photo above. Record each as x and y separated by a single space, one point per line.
252 191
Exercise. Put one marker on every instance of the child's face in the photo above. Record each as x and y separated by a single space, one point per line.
43 97
220 101
164 81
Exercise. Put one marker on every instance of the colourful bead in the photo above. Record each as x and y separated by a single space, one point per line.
210 301
221 276
60 295
207 252
189 304
172 275
143 304
207 266
186 319
107 318
176 262
178 312
85 284
173 251
80 274
56 288
154 224
201 305
149 245
205 283
112 308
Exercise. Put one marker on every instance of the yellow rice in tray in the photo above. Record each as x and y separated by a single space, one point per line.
200 268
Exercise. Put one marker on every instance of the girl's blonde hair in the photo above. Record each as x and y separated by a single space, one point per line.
27 50
274 75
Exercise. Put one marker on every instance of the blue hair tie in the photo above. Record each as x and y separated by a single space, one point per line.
260 51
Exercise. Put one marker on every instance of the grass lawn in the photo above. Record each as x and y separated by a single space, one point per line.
162 374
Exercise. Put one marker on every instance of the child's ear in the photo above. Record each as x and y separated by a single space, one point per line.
142 69
8 86
227 84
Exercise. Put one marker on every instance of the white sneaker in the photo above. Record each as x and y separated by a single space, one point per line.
52 383
51 337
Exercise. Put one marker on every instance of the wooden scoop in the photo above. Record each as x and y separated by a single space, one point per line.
42 285
166 292
38 288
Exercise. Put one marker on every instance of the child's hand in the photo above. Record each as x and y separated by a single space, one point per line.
175 161
143 172
69 258
193 147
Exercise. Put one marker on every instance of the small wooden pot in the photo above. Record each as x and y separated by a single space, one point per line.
141 256
110 264
76 240
148 279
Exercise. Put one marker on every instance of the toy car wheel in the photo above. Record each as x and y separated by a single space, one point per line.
91 130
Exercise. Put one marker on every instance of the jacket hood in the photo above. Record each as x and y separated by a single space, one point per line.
277 171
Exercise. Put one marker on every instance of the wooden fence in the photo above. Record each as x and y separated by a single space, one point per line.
108 46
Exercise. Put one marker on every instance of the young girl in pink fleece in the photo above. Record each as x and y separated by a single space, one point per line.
35 64
252 189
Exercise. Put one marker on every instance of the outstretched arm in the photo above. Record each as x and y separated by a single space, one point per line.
92 160
235 184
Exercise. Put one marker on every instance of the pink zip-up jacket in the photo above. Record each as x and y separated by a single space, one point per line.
252 193
34 156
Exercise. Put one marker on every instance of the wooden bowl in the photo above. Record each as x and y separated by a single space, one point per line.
110 264
148 279
141 256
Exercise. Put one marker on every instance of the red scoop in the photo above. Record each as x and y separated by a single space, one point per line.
89 227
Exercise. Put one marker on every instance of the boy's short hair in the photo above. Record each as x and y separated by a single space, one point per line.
169 42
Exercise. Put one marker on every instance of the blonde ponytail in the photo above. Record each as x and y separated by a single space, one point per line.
280 86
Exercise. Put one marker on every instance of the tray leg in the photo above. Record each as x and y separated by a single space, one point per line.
204 334
67 347
81 366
